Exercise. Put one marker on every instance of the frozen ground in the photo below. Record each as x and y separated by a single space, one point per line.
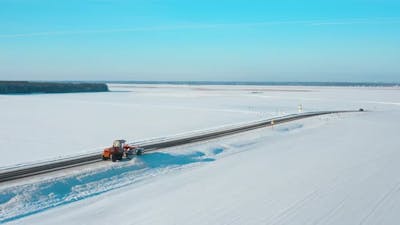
47 126
337 169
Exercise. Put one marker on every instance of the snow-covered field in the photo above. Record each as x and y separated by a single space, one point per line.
336 169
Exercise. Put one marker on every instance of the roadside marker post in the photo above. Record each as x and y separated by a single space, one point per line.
300 108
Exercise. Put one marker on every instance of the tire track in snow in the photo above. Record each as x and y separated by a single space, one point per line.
287 214
380 203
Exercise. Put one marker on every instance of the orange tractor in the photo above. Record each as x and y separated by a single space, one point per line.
119 149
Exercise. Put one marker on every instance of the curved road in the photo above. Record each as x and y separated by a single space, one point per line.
45 167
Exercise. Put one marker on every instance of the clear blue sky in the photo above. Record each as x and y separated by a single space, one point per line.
280 40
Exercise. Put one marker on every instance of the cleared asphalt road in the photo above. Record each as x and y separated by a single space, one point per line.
45 167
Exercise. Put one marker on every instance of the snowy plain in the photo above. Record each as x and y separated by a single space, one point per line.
335 169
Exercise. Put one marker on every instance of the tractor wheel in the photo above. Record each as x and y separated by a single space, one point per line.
113 157
104 158
139 151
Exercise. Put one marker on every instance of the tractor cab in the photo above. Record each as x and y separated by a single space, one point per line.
119 144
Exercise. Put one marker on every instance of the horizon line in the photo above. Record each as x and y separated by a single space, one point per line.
327 83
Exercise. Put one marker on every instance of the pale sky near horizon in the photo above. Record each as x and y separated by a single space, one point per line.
287 40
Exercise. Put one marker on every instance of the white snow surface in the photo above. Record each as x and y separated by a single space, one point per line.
333 169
